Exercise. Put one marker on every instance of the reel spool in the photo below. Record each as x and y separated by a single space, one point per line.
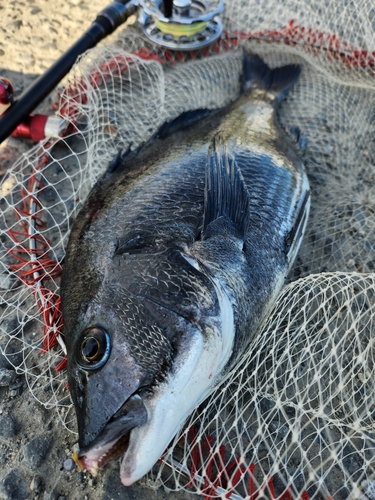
181 24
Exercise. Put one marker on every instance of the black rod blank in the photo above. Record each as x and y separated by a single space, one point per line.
106 22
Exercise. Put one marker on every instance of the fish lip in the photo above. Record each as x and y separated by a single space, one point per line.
114 438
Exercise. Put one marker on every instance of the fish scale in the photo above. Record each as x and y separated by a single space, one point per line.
173 262
165 212
143 335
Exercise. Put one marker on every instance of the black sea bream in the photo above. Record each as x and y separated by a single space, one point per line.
172 264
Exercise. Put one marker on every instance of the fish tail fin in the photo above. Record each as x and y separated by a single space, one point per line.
278 81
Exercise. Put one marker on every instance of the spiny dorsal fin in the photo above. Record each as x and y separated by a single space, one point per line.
226 200
182 121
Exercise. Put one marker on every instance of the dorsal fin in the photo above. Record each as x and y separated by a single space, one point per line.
182 121
226 200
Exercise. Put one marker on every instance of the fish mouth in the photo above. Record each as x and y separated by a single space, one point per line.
113 440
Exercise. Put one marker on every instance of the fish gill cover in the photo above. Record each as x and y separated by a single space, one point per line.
295 419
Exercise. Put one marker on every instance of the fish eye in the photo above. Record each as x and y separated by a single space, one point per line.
94 348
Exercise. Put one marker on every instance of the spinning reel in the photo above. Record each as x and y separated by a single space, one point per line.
182 24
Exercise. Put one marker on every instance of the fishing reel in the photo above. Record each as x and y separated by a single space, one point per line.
174 24
181 24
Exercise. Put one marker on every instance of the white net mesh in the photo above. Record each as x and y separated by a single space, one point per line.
296 418
294 414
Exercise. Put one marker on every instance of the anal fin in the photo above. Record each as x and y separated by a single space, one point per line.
226 201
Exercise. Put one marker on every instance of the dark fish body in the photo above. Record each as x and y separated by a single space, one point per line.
172 264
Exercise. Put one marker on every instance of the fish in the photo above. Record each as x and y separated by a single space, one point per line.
173 262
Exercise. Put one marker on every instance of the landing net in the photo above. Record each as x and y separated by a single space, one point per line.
296 418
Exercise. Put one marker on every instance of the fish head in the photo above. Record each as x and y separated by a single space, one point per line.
148 353
103 372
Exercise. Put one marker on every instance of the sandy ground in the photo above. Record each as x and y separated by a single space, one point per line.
34 34
33 446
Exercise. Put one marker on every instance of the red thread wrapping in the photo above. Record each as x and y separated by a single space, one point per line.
34 266
62 366
314 42
49 305
218 475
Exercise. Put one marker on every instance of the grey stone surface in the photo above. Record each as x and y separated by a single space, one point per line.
69 464
13 357
7 377
4 363
8 427
36 484
35 451
5 281
14 486
113 489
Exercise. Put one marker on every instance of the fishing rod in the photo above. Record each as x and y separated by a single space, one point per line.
174 24
105 23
